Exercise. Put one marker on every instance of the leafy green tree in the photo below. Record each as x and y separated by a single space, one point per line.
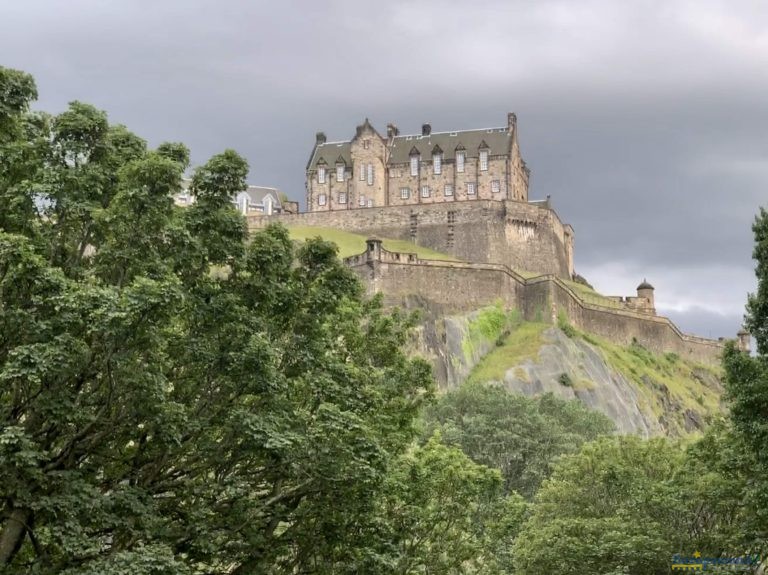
747 384
156 417
443 513
521 436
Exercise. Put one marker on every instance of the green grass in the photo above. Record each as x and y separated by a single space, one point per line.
589 295
523 342
649 372
351 244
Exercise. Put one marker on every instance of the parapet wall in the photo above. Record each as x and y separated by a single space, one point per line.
455 287
520 235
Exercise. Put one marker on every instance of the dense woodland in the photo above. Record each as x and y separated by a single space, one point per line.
179 398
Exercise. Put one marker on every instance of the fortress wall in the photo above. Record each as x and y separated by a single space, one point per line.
520 235
459 287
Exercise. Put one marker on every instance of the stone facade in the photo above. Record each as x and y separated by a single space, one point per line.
524 236
372 170
454 287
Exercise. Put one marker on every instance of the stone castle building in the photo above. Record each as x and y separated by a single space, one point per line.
372 170
465 194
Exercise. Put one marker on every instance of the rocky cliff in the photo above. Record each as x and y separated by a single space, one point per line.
641 392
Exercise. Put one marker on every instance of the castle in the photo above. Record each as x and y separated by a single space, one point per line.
465 194
401 170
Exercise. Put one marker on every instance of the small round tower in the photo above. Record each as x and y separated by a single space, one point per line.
645 290
743 340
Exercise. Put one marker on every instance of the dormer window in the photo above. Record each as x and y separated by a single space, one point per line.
339 173
414 165
483 160
460 159
437 163
366 144
321 175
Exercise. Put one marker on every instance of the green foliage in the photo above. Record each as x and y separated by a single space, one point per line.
351 244
442 513
627 505
158 418
565 326
521 436
491 324
523 341
565 380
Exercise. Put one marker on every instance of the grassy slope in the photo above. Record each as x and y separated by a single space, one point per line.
668 384
351 244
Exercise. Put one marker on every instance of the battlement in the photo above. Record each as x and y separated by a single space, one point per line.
454 287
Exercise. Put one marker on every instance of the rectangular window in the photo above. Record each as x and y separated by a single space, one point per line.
342 197
405 193
460 157
424 191
370 174
362 201
448 191
366 144
483 160
437 163
495 186
339 173
370 203
414 165
321 199
362 172
471 188
321 175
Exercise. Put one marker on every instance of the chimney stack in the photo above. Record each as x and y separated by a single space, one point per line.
392 131
319 138
426 129
511 121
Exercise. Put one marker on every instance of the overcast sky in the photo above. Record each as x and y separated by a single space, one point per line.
646 121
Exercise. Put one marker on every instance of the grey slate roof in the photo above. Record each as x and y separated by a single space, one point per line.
258 193
498 140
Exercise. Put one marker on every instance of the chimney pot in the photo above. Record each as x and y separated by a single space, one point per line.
320 138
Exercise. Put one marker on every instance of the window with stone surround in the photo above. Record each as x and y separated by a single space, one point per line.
362 172
471 188
342 197
370 203
362 201
424 191
321 175
495 186
321 199
414 165
370 174
340 173
483 160
405 193
448 190
366 144
460 157
437 163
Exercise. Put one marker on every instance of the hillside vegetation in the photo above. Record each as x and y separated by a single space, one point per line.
642 392
351 244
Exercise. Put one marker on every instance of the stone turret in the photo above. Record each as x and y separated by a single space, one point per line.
645 291
743 340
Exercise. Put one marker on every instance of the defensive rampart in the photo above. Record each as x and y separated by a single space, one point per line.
457 287
520 235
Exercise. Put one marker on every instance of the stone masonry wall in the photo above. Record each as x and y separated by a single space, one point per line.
458 287
523 236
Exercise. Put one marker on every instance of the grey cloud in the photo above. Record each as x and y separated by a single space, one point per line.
643 119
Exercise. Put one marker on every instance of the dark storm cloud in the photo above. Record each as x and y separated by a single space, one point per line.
643 120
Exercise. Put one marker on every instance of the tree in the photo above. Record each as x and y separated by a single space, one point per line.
520 436
155 416
746 382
